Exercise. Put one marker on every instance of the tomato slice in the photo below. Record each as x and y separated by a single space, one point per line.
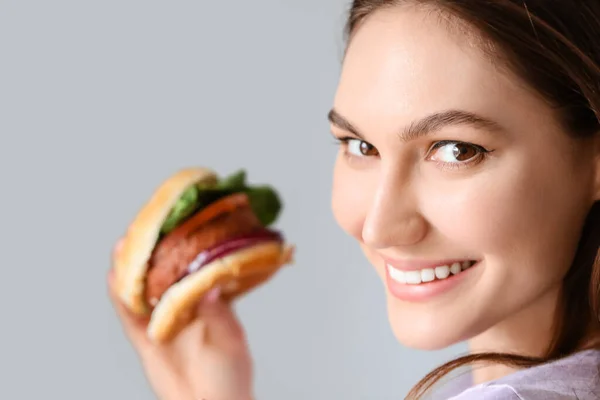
215 209
219 207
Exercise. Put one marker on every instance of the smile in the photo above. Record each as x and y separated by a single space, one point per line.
425 275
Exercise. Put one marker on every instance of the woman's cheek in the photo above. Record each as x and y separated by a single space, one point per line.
472 214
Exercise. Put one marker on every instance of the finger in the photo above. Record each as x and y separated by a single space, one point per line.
222 327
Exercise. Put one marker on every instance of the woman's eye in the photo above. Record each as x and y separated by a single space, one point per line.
360 148
455 152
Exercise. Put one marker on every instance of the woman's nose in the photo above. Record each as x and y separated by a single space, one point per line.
393 218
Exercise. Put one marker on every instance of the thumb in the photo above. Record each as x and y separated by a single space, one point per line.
219 323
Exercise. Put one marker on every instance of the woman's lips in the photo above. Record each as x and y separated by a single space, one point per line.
411 283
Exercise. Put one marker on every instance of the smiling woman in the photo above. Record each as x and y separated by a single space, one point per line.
469 173
469 163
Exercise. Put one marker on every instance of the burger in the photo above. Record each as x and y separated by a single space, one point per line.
198 231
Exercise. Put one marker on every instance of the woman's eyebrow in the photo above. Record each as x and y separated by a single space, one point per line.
341 122
427 125
436 121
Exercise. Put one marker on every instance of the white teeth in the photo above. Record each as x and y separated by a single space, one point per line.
427 275
442 272
455 268
397 275
413 277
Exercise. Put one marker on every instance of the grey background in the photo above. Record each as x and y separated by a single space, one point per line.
99 101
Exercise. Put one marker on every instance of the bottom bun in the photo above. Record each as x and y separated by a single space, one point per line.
236 274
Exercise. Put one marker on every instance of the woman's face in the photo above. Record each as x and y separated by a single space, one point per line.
461 189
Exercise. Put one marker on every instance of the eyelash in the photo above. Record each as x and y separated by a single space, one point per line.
482 152
343 142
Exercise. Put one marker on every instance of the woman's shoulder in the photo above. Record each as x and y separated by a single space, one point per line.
571 378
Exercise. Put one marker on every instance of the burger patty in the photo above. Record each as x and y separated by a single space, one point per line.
173 254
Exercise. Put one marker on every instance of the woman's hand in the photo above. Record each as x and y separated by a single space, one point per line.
209 360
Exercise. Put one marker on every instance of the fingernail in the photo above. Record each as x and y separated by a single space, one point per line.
213 295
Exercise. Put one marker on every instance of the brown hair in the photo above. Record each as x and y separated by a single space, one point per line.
554 46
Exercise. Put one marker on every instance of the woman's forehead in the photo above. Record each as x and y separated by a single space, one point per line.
404 66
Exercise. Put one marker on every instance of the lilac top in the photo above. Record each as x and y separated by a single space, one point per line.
576 377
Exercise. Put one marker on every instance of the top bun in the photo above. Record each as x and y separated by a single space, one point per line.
131 263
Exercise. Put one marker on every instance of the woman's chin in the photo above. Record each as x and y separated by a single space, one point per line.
422 333
423 342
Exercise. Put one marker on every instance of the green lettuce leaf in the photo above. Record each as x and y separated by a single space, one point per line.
264 200
265 203
185 206
234 182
